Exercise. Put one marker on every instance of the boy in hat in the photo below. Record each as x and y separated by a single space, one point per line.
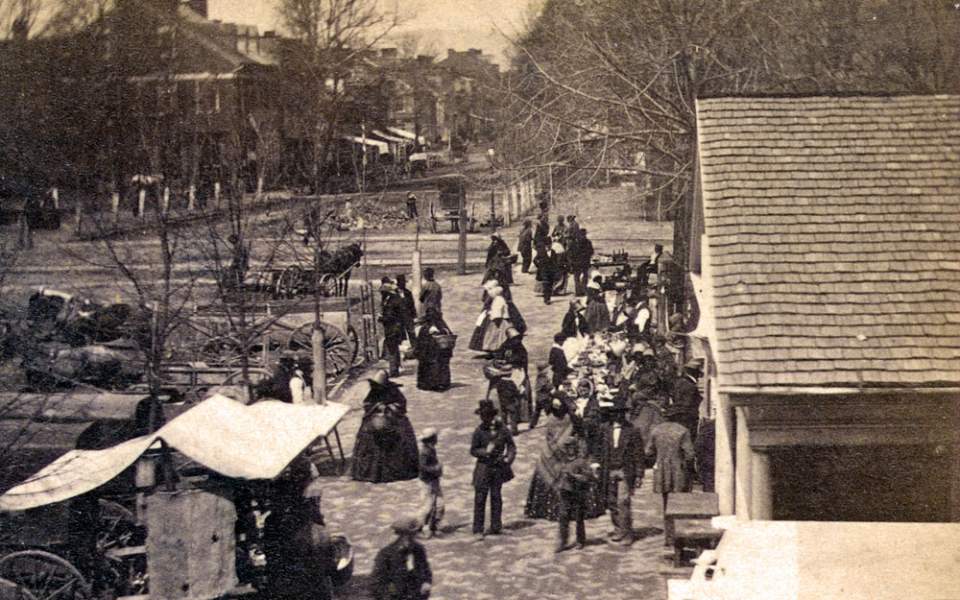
572 489
493 447
430 473
401 570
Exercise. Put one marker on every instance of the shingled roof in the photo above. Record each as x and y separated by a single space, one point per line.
833 228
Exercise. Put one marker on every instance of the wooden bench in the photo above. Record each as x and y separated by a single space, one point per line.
688 506
693 533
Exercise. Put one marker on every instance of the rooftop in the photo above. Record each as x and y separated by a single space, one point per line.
832 228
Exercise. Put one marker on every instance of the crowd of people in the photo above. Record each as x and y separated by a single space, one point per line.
614 400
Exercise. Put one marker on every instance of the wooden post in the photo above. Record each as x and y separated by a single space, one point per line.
462 242
416 275
115 207
506 206
55 195
216 195
78 216
550 183
259 188
493 211
165 205
191 197
141 202
319 365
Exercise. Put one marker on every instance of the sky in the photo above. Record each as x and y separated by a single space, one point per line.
442 24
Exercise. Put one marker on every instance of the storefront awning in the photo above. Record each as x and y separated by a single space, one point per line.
234 440
390 138
383 147
406 134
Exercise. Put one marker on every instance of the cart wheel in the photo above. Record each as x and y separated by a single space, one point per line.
221 351
11 591
45 576
118 527
340 349
327 285
256 374
288 282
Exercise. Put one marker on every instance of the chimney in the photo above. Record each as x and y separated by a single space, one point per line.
199 7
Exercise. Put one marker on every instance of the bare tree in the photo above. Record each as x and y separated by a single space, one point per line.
324 64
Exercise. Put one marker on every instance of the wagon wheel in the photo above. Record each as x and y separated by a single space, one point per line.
256 374
11 591
288 282
327 285
118 529
340 349
46 576
221 351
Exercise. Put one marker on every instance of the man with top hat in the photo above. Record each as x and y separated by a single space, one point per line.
430 473
493 447
401 570
393 312
410 308
525 246
386 446
574 323
621 465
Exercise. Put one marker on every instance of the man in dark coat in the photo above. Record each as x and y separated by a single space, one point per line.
410 308
548 271
431 294
541 236
493 447
300 556
581 261
392 314
401 570
558 361
525 246
621 463
512 355
574 322
687 398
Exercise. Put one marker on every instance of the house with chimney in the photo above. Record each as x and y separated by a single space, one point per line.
825 253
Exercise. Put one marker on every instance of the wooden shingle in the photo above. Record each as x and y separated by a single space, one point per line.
833 226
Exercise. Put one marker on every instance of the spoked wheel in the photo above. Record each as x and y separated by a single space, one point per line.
118 537
327 285
45 576
11 591
340 349
222 351
288 282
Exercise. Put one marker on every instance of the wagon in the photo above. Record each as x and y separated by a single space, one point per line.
210 352
74 532
452 190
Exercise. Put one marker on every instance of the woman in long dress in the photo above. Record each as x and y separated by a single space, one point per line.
597 313
433 361
493 321
386 448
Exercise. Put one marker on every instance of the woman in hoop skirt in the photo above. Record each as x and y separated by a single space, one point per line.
433 361
386 447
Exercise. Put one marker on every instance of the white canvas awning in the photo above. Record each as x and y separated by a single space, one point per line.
383 147
390 138
406 134
244 442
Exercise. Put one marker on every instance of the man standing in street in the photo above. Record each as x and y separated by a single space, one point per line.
401 570
548 271
411 205
581 261
621 462
430 473
392 312
430 293
541 236
410 308
525 246
493 447
572 489
687 398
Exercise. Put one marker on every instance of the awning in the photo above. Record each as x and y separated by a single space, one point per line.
243 442
406 134
384 147
390 138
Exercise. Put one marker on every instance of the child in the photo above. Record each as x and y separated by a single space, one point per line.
430 472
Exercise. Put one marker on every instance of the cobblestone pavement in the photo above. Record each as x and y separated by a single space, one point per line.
520 563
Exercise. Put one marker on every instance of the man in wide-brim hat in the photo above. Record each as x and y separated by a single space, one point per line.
493 447
621 468
401 570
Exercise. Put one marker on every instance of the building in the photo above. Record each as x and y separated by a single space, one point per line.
826 248
470 85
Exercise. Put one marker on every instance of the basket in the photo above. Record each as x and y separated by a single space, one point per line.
446 341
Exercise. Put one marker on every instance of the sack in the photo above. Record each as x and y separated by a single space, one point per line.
446 341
